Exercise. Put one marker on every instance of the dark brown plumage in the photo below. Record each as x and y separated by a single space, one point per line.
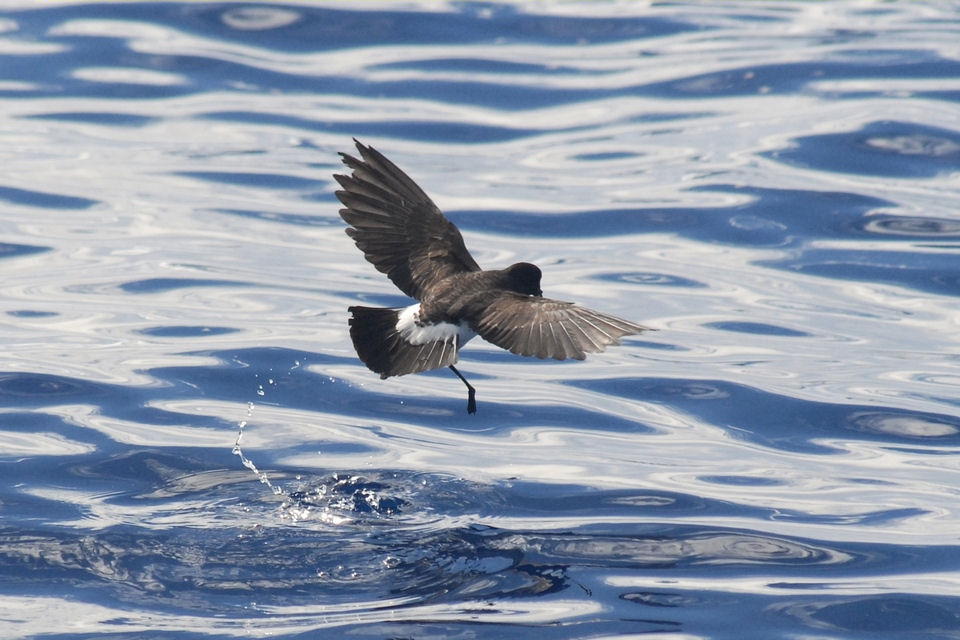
404 235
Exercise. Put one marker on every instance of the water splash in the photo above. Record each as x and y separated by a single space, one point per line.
238 451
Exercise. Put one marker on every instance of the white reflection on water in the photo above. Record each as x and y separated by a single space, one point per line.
799 395
30 616
19 445
921 583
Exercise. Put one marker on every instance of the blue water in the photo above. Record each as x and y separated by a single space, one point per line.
191 449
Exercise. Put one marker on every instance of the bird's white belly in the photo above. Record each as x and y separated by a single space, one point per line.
409 328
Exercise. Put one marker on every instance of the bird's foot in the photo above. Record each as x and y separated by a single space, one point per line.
471 401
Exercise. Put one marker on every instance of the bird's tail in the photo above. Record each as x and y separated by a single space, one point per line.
384 350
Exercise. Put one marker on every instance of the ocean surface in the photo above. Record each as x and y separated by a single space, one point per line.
190 448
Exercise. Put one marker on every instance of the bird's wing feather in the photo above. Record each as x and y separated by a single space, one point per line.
396 225
545 328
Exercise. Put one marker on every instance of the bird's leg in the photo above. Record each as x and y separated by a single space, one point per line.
471 392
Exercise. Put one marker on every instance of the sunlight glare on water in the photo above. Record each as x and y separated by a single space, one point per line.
191 447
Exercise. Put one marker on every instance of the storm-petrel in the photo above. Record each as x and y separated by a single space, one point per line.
404 235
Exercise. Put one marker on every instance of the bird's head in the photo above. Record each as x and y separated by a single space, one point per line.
524 278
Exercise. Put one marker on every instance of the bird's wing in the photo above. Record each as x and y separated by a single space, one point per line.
535 326
396 225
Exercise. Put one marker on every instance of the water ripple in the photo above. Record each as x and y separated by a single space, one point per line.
192 447
749 408
878 149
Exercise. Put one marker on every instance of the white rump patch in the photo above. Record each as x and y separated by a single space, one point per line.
410 329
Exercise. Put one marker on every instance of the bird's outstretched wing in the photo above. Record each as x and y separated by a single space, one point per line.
396 225
535 326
